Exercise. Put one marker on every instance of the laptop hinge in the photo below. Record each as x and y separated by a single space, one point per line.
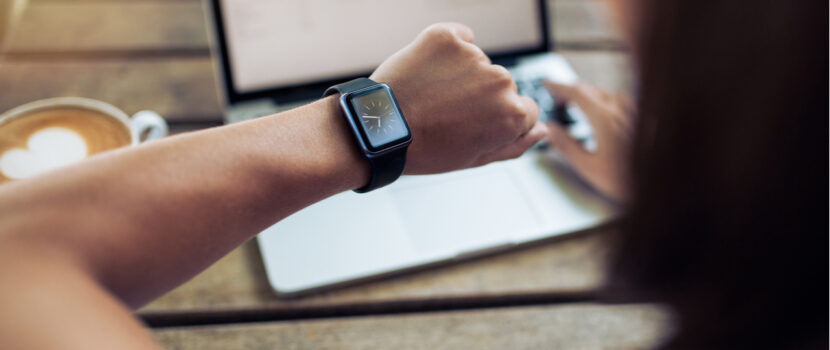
508 61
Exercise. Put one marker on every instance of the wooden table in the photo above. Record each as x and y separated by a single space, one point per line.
154 54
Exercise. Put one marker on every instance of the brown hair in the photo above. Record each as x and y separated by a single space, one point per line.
727 221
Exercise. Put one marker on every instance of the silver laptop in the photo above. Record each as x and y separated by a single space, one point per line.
274 55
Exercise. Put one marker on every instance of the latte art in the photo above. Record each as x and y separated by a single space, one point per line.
47 149
40 141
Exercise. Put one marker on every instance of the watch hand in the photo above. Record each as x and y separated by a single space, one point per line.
372 117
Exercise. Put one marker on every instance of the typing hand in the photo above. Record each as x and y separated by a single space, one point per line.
463 110
610 117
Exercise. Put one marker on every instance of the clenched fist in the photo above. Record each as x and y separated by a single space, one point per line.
463 110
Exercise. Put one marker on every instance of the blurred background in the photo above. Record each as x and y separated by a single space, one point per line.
155 54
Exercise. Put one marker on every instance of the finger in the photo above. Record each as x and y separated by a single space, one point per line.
531 113
583 95
570 148
585 163
563 92
626 103
518 147
602 95
537 133
587 98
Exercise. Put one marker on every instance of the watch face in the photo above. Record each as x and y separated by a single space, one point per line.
380 118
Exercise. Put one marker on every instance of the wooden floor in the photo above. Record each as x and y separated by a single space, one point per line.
154 54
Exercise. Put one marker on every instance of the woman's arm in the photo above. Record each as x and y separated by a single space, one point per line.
129 225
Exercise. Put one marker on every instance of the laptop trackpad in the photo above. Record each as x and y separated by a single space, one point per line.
464 213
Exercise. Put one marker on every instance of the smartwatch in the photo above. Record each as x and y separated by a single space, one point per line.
379 127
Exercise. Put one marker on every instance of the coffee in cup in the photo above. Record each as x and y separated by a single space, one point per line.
48 134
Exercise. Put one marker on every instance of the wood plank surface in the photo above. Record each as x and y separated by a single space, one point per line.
575 326
108 25
180 89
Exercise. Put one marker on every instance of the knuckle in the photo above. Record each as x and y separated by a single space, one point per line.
482 57
515 112
441 35
476 53
532 109
468 53
501 77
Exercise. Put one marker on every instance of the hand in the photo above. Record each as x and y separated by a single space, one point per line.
463 110
611 118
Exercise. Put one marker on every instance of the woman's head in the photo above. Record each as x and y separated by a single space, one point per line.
727 218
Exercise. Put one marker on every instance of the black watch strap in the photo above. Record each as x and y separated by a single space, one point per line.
348 86
387 168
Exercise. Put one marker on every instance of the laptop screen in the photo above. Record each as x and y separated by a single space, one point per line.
271 44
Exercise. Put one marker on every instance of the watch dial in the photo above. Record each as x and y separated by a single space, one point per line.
380 119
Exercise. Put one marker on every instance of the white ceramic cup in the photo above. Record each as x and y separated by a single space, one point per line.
143 126
141 123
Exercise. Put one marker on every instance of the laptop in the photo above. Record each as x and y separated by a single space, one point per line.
275 55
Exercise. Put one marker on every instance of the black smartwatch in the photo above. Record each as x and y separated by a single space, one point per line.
381 131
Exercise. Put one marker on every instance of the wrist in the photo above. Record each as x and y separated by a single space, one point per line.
340 161
322 150
378 126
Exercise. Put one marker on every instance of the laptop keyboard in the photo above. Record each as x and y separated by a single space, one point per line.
551 110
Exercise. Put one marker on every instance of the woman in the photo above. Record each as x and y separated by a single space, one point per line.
722 192
727 213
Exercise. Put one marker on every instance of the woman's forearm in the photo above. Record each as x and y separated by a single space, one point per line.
131 215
